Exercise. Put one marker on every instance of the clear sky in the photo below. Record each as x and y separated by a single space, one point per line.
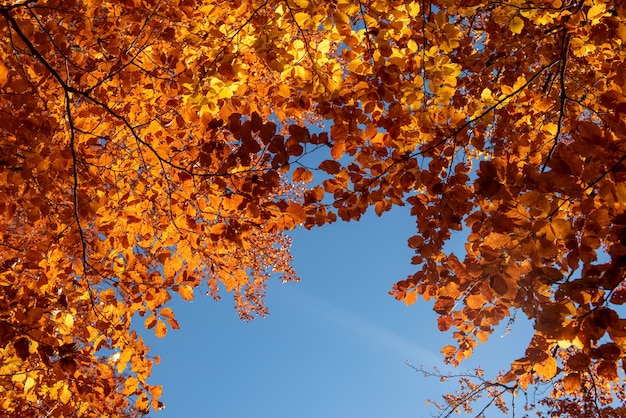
334 345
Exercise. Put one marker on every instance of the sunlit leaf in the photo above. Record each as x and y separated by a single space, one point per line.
546 369
186 292
4 74
517 24
410 298
161 329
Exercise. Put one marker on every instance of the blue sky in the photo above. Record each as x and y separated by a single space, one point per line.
334 345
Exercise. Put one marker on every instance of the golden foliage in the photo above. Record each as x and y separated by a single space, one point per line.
149 146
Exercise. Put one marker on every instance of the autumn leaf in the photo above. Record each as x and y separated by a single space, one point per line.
571 382
4 74
329 166
150 322
517 24
161 329
444 322
65 394
596 12
546 369
410 298
302 174
475 301
186 292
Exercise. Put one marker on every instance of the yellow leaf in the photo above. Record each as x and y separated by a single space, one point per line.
567 343
69 320
546 370
486 95
161 329
20 377
323 47
517 24
225 93
301 73
413 8
596 13
301 18
298 45
186 292
123 359
65 394
29 383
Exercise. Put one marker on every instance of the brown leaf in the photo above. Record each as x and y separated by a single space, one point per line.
22 346
444 322
499 285
444 305
330 166
579 362
608 370
572 382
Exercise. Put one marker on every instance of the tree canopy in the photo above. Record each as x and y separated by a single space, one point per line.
147 147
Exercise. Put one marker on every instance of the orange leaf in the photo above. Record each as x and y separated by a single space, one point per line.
524 380
150 322
338 149
161 329
546 369
301 174
186 292
410 298
4 74
142 402
482 336
475 301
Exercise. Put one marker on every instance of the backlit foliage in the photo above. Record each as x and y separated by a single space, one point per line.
147 147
